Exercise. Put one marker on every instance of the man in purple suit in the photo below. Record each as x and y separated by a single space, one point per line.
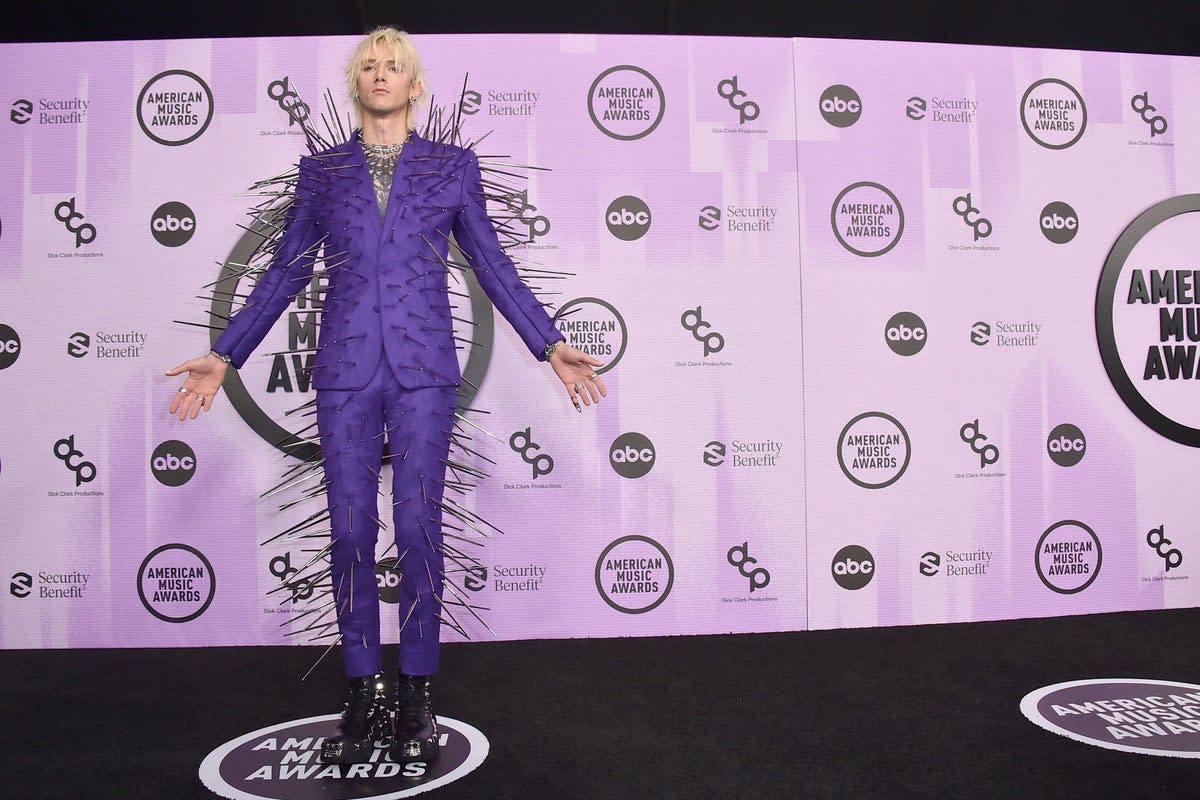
383 206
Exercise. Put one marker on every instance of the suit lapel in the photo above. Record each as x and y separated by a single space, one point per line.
402 180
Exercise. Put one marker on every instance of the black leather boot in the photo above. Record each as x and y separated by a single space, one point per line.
364 720
416 736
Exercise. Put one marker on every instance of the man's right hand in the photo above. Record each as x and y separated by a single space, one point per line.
205 375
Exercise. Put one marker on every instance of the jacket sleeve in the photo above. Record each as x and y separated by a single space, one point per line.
289 272
477 239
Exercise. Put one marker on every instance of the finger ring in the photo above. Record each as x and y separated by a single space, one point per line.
579 387
183 391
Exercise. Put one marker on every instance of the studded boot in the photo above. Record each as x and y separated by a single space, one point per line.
364 720
416 734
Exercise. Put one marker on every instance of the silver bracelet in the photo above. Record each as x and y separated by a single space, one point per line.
550 348
227 359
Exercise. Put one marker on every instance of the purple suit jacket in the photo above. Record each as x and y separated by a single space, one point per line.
387 281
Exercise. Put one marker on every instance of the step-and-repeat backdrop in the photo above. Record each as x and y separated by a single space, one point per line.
896 333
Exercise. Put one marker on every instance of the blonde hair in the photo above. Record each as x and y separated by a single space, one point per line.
400 44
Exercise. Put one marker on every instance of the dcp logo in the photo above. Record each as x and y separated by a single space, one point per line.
1066 445
64 451
691 320
905 334
1157 122
853 567
710 218
173 463
22 111
628 218
981 333
518 203
929 564
172 224
471 102
10 346
1158 541
915 109
964 207
21 584
739 556
988 453
78 344
65 213
714 453
522 442
281 567
283 94
747 109
631 455
840 106
1058 222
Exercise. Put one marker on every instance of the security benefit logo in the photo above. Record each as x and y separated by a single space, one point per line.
107 344
955 563
49 585
50 111
1132 715
1066 445
987 451
1068 557
867 219
634 574
631 455
743 453
1151 120
738 219
175 107
1053 113
905 334
873 450
1006 333
176 583
942 110
506 102
853 567
595 327
1169 553
626 102
282 762
1148 318
1058 222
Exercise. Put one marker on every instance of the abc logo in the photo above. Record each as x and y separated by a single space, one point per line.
173 463
1059 222
853 567
905 334
387 580
173 224
628 218
841 106
631 455
10 346
1066 445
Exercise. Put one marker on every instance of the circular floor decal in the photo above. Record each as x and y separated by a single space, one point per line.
282 762
1160 718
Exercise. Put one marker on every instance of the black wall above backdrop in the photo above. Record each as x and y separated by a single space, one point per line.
1162 27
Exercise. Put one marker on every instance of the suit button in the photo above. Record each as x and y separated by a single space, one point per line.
375 308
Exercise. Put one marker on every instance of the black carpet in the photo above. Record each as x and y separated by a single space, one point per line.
917 712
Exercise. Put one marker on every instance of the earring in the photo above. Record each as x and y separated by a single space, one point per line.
356 96
412 101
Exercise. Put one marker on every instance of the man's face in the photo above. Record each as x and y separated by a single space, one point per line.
384 86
